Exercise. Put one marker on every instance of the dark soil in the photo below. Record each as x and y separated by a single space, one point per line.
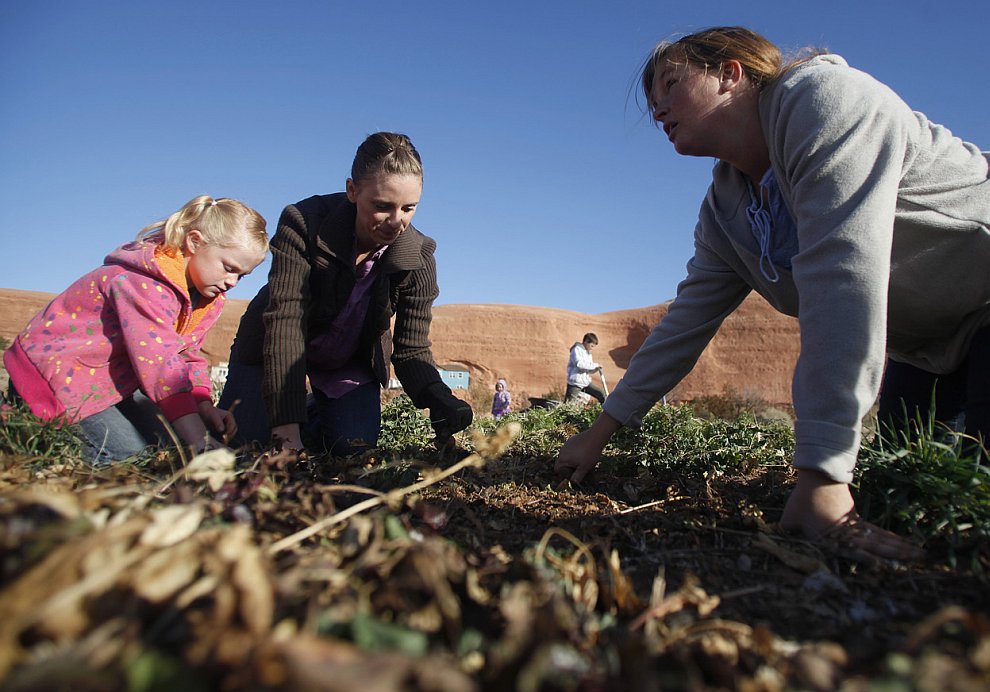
498 577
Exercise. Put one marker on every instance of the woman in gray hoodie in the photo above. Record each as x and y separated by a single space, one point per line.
841 206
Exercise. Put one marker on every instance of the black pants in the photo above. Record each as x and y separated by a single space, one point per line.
573 390
961 398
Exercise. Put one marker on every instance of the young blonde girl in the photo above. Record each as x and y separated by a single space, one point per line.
122 343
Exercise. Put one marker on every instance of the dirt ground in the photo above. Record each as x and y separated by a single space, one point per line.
718 535
721 532
496 577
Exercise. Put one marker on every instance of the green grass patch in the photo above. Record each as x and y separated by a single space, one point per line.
675 438
928 482
23 435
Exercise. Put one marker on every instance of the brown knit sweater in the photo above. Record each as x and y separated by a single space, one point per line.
311 278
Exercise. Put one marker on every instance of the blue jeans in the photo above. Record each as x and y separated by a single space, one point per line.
124 430
343 426
119 432
347 425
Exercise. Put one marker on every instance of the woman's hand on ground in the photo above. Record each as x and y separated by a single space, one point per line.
581 453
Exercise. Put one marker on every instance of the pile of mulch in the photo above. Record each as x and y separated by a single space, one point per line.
268 573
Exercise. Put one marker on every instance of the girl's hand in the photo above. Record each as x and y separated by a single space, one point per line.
193 432
218 419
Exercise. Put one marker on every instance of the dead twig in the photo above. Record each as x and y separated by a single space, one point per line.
655 503
387 498
489 448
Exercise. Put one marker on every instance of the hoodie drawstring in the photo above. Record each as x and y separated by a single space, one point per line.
762 225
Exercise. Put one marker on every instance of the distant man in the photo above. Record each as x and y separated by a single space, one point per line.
579 369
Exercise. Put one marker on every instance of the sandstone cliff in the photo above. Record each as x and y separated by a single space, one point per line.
754 353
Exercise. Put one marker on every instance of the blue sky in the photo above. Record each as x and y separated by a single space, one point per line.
544 184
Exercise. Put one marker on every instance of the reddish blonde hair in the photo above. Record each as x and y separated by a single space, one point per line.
709 49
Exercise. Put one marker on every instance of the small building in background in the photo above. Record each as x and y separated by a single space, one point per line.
218 374
455 376
218 378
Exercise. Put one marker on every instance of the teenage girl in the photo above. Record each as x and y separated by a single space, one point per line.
122 344
841 206
350 291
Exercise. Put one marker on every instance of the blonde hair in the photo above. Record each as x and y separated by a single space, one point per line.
709 49
223 221
386 153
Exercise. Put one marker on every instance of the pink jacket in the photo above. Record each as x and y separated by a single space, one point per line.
126 326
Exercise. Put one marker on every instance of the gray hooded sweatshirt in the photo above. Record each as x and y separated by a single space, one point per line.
891 215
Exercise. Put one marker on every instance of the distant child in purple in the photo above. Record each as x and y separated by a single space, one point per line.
502 401
122 344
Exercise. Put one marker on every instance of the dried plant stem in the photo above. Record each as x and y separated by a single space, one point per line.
172 479
629 510
582 547
392 496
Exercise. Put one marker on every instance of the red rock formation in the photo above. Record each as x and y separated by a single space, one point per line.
753 354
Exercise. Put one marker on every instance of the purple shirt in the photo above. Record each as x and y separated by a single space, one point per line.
328 355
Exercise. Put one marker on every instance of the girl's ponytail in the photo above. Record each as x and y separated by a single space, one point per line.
221 221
